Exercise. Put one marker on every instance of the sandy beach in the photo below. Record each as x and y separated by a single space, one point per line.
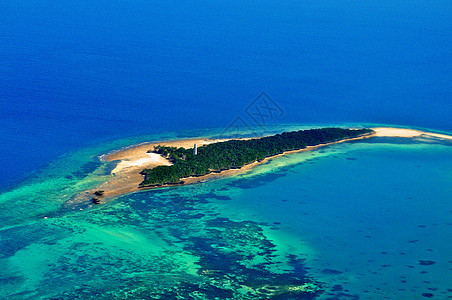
126 175
131 161
407 133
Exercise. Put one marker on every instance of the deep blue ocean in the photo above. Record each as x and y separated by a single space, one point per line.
81 78
75 73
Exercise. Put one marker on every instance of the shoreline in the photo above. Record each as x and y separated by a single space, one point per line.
230 172
126 177
407 133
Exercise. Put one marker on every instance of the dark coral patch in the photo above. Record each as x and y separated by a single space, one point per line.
331 272
426 262
337 288
427 295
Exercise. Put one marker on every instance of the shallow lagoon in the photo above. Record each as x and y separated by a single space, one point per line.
366 219
373 219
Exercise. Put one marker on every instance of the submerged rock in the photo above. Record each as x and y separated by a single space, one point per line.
99 193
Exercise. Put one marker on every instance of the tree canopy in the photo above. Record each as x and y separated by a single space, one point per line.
235 154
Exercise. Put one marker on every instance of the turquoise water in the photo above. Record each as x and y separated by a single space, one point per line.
368 220
370 212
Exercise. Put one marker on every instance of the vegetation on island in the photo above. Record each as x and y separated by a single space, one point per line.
234 154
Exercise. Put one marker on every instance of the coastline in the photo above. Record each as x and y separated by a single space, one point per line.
132 160
407 133
244 169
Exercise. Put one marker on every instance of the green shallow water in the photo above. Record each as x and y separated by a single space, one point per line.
153 244
369 220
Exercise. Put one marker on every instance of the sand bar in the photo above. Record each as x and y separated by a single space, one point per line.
407 133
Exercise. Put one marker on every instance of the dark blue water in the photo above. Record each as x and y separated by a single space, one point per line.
74 73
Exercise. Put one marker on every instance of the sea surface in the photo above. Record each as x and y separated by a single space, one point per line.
368 220
77 73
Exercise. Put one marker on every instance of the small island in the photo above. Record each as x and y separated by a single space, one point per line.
179 162
237 153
